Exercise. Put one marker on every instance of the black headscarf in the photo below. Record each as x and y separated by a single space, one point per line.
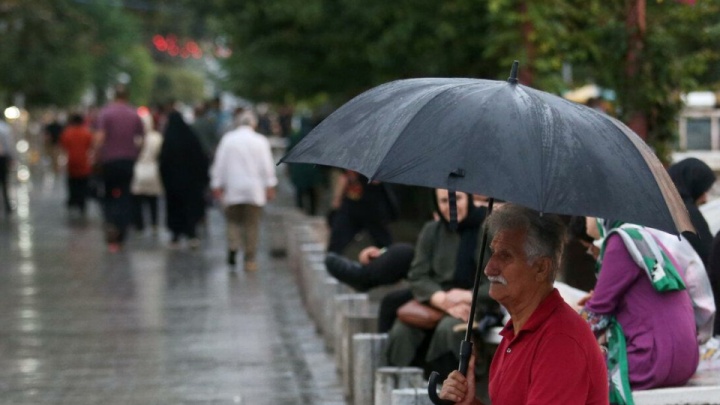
469 231
693 178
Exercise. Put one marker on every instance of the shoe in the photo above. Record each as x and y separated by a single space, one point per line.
174 242
194 243
250 266
347 271
231 257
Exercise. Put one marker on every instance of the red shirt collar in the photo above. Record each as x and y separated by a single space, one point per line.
538 317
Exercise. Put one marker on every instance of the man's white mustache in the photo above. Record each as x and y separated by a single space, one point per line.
497 279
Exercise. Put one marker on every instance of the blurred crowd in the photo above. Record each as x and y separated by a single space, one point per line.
155 169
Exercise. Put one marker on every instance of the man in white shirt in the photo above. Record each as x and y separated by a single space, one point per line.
243 179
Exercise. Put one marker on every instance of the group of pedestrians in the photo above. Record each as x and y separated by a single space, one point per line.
133 159
646 280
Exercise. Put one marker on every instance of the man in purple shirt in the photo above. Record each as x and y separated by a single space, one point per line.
117 144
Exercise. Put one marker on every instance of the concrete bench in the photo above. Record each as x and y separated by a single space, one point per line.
388 379
410 396
703 388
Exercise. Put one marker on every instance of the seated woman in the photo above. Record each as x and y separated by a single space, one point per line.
441 275
641 302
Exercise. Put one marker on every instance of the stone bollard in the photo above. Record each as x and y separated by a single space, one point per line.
352 324
410 396
301 240
333 289
312 255
346 304
368 356
316 295
388 379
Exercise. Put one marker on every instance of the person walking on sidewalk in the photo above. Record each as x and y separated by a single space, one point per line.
117 142
184 173
76 139
146 185
6 158
243 179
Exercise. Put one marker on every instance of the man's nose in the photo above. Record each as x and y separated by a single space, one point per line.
491 269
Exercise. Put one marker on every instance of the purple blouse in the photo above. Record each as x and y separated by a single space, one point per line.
659 328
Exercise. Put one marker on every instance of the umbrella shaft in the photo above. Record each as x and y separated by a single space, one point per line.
478 274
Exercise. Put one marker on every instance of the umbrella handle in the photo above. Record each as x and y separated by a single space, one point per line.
465 352
432 390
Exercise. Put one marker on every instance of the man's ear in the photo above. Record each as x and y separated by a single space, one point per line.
543 268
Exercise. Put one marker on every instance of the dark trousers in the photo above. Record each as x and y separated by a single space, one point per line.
388 308
308 194
4 172
77 192
139 203
347 223
390 267
117 202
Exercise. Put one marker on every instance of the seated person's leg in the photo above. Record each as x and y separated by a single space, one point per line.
392 266
444 351
388 268
389 306
404 345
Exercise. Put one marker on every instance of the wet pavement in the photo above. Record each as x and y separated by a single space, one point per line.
148 325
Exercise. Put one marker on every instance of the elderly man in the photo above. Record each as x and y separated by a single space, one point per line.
547 355
243 179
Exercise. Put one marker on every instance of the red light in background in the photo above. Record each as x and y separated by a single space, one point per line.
160 43
170 45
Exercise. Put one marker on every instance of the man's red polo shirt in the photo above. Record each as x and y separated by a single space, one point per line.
554 359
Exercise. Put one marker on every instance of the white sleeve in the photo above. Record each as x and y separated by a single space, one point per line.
268 165
217 170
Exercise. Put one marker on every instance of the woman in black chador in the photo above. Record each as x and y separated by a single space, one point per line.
184 172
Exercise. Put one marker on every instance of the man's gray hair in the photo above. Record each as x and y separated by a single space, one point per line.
545 233
246 118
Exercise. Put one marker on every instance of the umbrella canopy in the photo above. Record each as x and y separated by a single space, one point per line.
500 139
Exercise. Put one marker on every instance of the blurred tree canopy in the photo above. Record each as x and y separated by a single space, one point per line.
53 51
287 50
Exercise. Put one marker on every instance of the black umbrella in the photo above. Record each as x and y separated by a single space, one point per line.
500 139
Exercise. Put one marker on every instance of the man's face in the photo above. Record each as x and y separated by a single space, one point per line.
512 279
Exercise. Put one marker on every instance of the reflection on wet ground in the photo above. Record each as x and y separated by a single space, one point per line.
149 325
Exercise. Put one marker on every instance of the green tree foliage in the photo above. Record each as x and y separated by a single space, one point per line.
51 51
292 49
31 43
679 49
297 49
173 83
